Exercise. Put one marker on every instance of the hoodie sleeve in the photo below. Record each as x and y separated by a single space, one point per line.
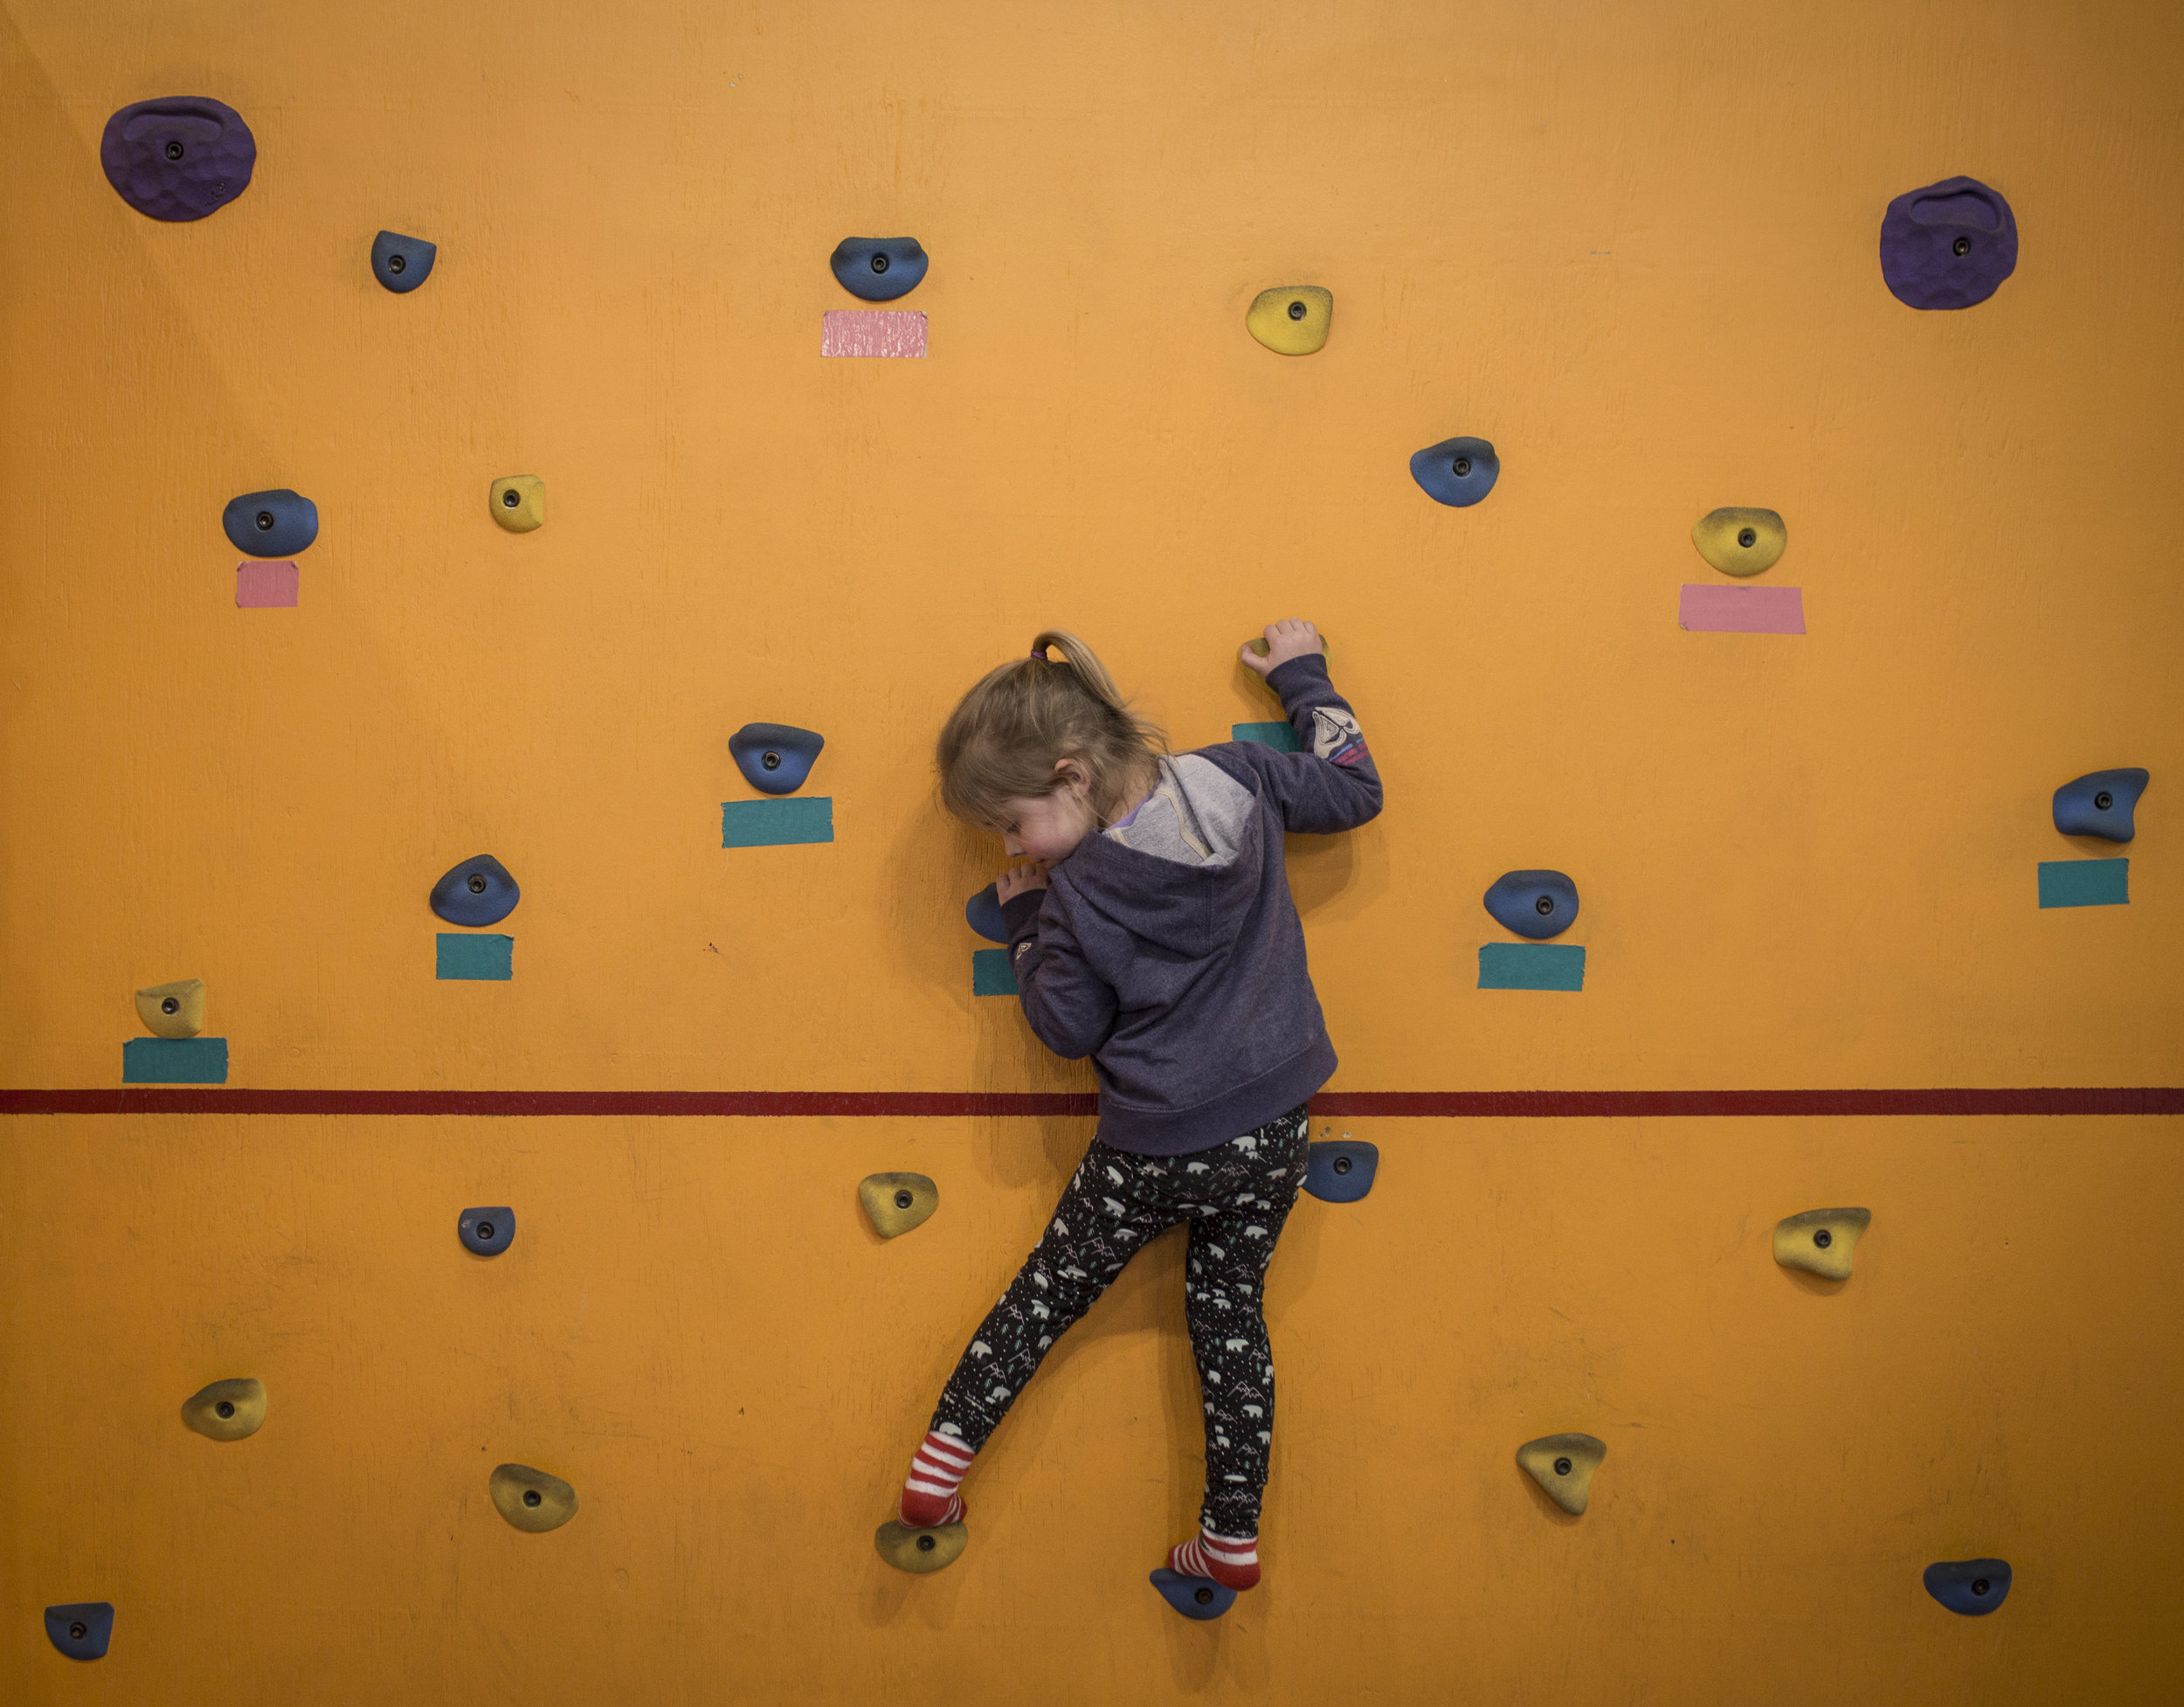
1332 783
1070 1008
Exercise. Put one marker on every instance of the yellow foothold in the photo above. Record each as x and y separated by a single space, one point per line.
1292 320
1563 1464
1740 542
519 503
173 1010
531 1499
920 1550
1820 1241
226 1410
897 1202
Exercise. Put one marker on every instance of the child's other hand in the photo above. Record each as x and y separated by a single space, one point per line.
1016 880
1285 639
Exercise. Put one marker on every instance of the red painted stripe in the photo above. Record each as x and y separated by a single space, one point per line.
1333 1105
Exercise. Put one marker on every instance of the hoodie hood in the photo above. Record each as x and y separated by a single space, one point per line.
1182 871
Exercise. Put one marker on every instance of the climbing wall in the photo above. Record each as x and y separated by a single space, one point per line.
1481 336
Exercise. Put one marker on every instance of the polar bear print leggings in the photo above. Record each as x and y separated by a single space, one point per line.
1236 1198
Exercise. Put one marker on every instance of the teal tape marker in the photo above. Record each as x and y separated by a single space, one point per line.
1280 736
2085 882
487 955
777 823
175 1061
1531 966
990 974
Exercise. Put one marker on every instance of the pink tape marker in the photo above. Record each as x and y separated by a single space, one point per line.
1705 608
873 332
262 584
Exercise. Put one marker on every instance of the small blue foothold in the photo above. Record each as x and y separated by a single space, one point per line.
1340 1172
479 891
401 263
775 758
1194 1597
487 1232
278 523
2099 804
878 269
983 914
1456 471
1537 904
1972 1586
81 1630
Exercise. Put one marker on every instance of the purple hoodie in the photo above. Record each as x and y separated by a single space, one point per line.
1167 946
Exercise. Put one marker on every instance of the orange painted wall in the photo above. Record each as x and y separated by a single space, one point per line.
1631 244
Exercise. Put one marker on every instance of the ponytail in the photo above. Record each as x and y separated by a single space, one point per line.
1005 738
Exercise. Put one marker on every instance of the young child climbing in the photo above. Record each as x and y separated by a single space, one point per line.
1153 930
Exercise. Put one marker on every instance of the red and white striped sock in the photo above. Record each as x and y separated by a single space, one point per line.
929 1498
1230 1560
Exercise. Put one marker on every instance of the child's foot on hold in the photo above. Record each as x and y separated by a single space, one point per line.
930 1499
1230 1560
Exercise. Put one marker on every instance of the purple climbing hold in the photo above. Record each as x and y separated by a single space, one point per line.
1948 245
178 157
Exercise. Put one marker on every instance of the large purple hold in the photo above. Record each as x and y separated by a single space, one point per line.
1948 245
179 157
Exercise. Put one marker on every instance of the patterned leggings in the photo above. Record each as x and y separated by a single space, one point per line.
1236 1197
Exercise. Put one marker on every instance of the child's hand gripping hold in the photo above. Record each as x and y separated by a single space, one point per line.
1284 640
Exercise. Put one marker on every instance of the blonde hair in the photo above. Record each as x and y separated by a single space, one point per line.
1005 738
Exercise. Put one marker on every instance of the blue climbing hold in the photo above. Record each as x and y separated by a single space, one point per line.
401 263
479 891
271 524
1340 1172
2099 804
1194 1597
983 914
1533 903
1972 1586
81 1631
486 1232
1456 471
878 269
775 758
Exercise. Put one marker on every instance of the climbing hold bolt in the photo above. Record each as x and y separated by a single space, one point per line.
1820 1242
1563 1464
518 503
486 1232
897 1202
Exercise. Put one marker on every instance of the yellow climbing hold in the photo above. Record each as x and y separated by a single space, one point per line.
920 1550
897 1202
1820 1241
1292 320
173 1010
1740 542
1563 1464
226 1410
519 503
531 1499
